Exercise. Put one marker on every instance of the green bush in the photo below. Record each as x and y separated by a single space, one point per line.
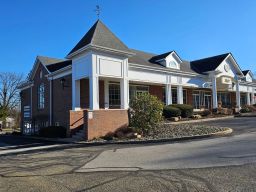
53 132
245 110
170 111
205 113
186 110
145 112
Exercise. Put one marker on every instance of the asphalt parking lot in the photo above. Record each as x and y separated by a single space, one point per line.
59 170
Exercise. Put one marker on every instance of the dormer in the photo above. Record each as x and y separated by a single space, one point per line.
248 75
170 60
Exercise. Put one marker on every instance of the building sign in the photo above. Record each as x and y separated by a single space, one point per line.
26 111
226 80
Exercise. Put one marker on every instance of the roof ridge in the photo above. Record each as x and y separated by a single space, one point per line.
211 57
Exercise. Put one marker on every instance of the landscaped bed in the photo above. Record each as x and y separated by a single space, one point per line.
162 131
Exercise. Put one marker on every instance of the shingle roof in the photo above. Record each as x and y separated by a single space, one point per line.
144 58
100 35
159 57
208 64
48 60
60 65
245 72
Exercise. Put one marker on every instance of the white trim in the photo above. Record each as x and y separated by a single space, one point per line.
96 47
178 72
35 67
26 87
60 73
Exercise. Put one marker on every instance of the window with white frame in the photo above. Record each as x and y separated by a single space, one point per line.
41 96
174 96
114 96
135 90
184 96
196 99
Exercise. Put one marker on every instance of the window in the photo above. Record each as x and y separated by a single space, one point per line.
114 96
196 99
173 64
207 100
174 96
135 90
40 96
243 99
164 95
41 74
184 96
224 98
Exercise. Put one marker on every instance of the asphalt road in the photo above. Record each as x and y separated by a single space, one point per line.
240 125
16 142
60 170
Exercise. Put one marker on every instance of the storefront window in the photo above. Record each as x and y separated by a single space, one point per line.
224 98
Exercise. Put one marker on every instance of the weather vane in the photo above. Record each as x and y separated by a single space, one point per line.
97 11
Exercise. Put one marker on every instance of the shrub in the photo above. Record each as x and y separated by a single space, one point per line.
254 105
109 136
53 132
170 111
206 113
146 111
245 110
186 110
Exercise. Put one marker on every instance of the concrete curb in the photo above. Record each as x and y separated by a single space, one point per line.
200 120
246 115
90 144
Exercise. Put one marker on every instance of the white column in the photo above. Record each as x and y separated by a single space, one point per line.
248 98
106 94
180 94
124 93
238 96
75 94
94 92
168 94
214 93
252 96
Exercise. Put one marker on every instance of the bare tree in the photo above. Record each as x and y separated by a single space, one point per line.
9 93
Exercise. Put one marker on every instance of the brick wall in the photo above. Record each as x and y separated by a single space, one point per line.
85 94
41 114
156 90
77 120
61 101
25 101
105 121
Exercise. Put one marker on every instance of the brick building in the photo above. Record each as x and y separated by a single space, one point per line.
92 86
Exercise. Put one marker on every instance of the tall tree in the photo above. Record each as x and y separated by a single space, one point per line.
9 93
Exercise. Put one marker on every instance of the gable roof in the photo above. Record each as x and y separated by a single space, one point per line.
245 72
160 57
48 60
100 35
208 64
57 66
144 58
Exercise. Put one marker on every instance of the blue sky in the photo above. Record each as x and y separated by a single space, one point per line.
195 29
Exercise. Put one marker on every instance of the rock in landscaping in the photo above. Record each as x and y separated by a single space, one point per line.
174 119
196 116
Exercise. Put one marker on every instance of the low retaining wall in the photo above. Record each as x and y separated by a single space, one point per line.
98 123
101 122
76 121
